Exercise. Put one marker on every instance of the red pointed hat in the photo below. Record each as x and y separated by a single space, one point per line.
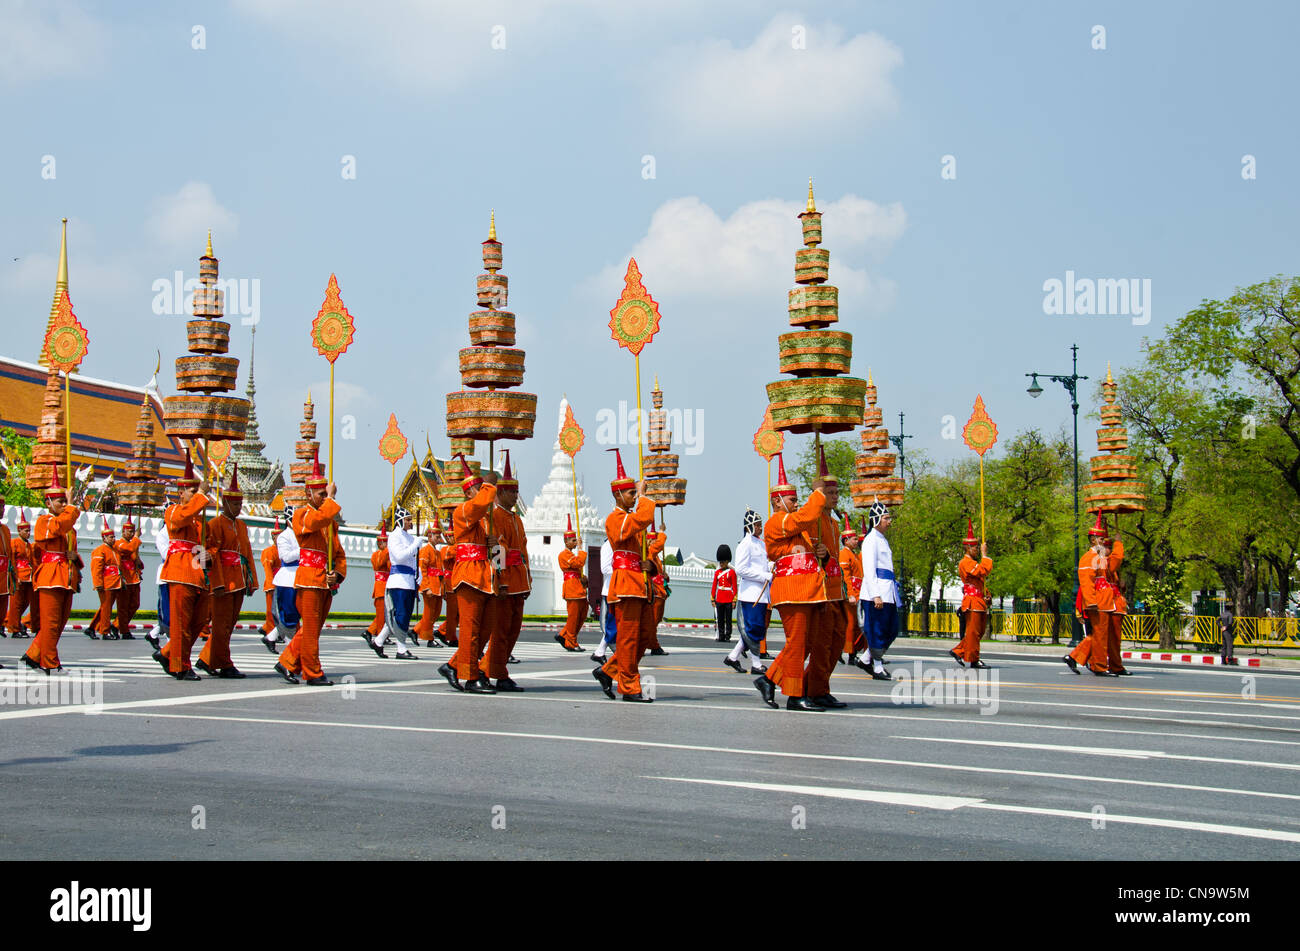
472 479
970 538
106 529
848 531
783 486
128 523
277 524
55 491
1098 530
568 527
189 479
620 481
824 473
317 478
383 530
507 480
862 523
233 491
22 519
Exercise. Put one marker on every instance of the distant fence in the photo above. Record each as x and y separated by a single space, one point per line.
1199 631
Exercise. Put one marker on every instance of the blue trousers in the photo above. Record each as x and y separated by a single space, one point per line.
608 621
287 606
401 602
753 624
880 626
164 607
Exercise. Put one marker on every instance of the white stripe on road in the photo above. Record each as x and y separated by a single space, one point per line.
866 795
734 751
1103 751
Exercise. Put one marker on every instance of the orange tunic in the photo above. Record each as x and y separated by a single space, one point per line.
1112 575
128 553
516 577
624 530
379 562
105 568
310 526
50 534
226 574
973 573
22 556
469 530
571 564
6 559
184 527
1094 589
851 569
270 565
797 578
431 570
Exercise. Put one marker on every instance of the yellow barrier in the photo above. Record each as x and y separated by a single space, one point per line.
1199 631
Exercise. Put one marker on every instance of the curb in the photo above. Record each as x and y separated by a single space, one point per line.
1212 659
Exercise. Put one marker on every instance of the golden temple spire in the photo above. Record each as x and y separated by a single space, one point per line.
209 253
60 286
1109 378
656 381
870 382
812 206
492 226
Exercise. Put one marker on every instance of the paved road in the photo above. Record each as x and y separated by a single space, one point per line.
391 763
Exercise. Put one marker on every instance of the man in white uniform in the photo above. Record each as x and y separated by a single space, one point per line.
880 596
399 590
607 622
284 605
753 591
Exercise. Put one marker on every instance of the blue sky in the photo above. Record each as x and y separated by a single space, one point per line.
1117 163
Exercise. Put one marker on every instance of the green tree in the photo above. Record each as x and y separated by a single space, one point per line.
839 460
15 454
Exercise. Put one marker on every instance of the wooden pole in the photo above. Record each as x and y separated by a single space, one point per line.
983 537
769 488
577 520
640 468
329 530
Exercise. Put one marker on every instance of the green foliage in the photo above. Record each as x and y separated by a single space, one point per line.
17 453
1163 598
839 460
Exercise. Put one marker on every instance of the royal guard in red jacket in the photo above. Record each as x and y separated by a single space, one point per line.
723 592
574 591
51 578
106 578
631 595
974 598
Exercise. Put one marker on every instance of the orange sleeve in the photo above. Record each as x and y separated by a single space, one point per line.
55 526
317 520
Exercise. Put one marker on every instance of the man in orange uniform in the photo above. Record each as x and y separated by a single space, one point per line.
430 582
851 568
233 577
631 594
191 556
20 595
471 580
1115 620
827 629
106 577
574 591
317 577
8 573
1098 596
270 558
450 603
379 562
974 599
798 589
505 611
51 578
128 595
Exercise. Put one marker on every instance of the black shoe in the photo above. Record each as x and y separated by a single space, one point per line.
883 675
598 660
862 665
203 666
449 675
559 639
840 659
978 665
766 656
1101 673
479 686
153 642
321 681
960 663
127 636
284 672
91 634
33 665
606 682
658 652
162 662
512 659
187 675
231 673
734 665
637 698
1125 672
407 656
829 702
1072 664
767 690
379 650
269 643
506 685
802 703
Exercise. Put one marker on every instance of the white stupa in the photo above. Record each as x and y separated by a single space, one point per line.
546 516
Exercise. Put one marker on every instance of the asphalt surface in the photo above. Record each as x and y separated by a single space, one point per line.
1171 763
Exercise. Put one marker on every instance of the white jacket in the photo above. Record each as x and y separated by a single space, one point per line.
877 558
403 549
754 571
162 543
286 543
606 567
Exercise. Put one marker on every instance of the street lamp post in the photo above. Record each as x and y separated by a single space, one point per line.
897 440
1071 386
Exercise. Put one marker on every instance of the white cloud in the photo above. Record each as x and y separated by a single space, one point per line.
183 219
716 89
690 251
49 40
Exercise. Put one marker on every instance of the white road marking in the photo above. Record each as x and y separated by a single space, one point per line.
1103 751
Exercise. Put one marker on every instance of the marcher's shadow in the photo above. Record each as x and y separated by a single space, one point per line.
138 749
